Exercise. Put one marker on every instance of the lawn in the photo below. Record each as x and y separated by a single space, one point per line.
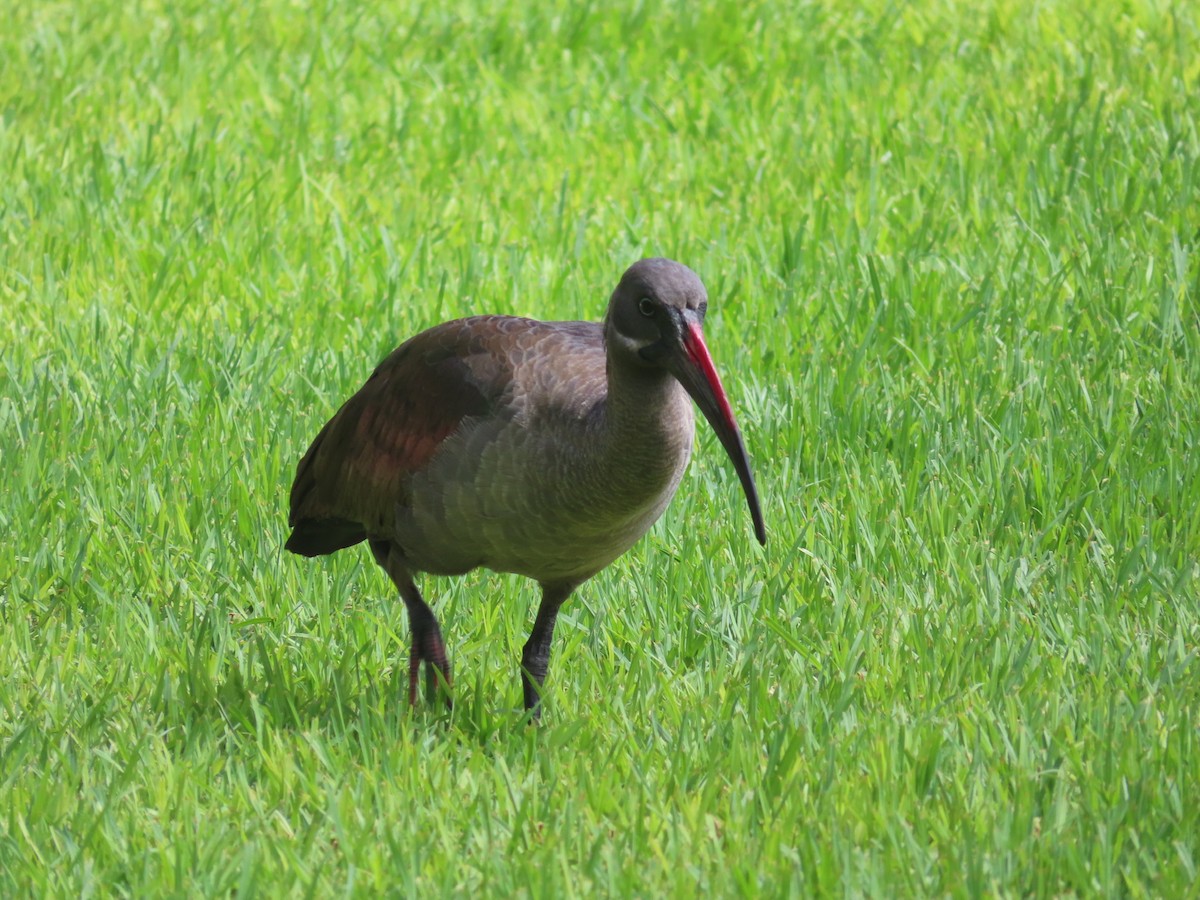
953 257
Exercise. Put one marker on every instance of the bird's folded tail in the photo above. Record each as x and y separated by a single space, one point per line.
318 537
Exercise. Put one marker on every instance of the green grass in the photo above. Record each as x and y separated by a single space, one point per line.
952 252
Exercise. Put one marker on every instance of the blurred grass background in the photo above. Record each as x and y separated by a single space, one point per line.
952 257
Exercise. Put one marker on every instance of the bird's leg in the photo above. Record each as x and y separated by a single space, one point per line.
427 646
535 657
427 643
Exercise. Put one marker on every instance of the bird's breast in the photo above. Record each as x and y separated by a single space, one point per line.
553 495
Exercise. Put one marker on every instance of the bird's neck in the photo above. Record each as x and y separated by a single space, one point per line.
648 423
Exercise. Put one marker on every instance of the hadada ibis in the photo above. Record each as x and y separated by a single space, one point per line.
541 448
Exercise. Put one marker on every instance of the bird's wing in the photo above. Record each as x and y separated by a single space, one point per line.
358 469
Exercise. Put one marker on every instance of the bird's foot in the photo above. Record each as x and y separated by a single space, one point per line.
431 650
533 695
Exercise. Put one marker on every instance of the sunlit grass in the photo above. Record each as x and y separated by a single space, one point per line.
952 256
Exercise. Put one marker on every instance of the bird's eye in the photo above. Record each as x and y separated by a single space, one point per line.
646 307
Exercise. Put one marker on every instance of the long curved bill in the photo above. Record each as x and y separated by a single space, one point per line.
694 368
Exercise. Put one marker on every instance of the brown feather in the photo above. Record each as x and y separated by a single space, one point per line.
357 471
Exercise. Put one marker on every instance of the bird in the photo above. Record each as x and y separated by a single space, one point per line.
545 449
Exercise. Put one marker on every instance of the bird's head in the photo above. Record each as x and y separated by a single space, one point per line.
654 322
